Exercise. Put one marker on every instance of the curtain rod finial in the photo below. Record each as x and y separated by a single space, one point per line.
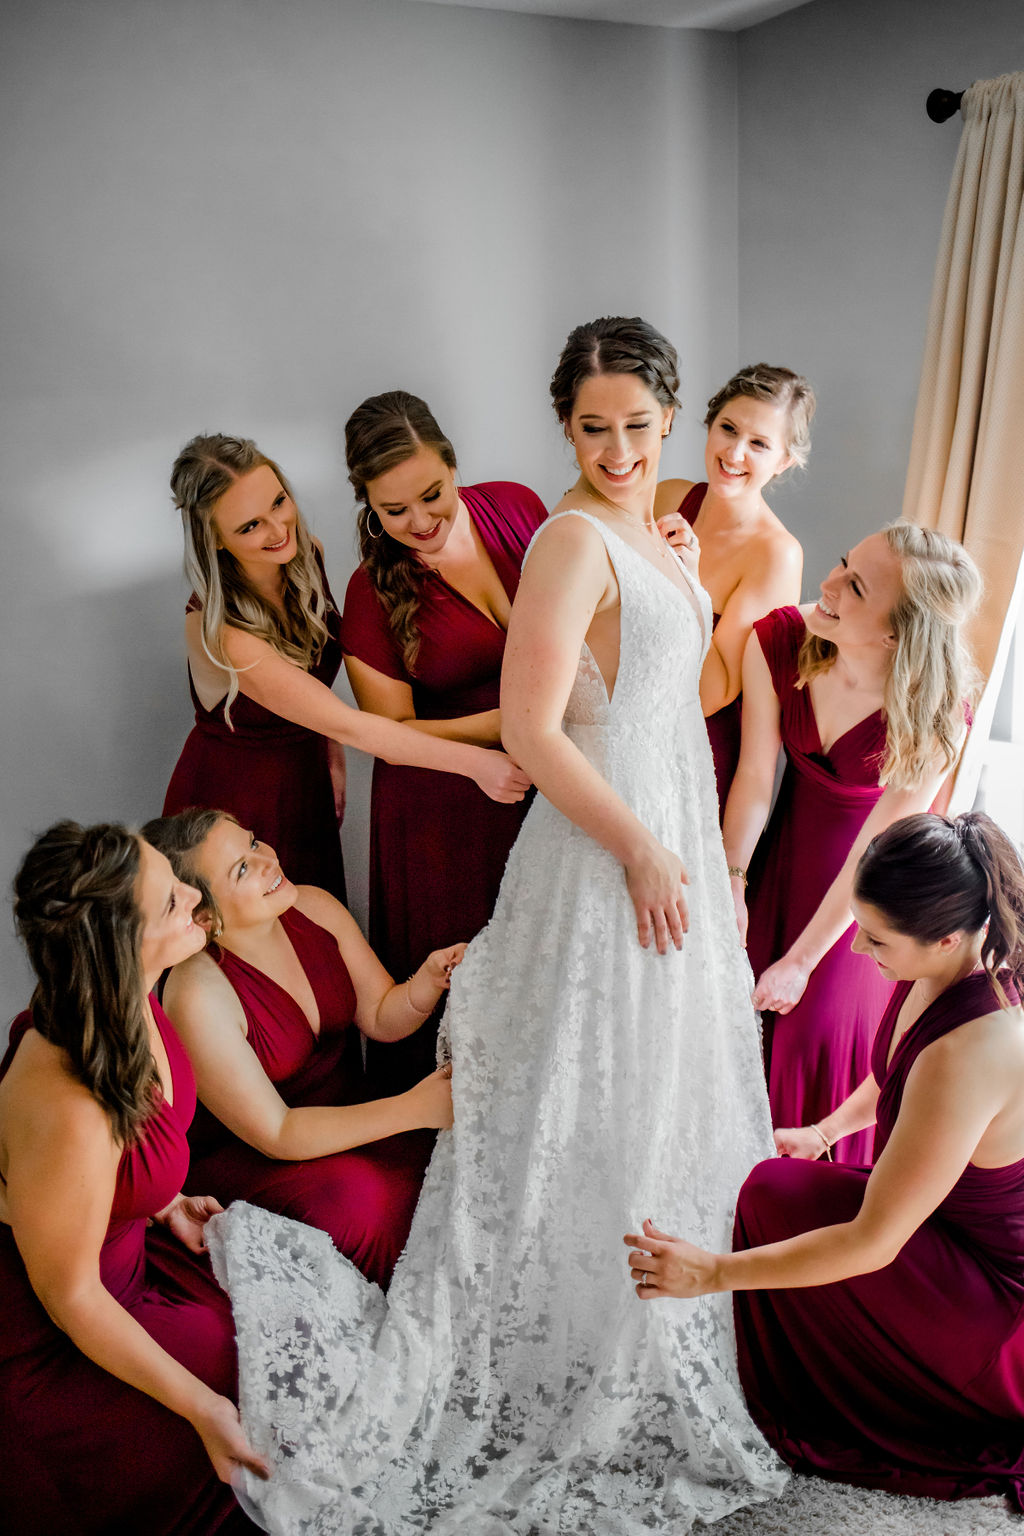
942 104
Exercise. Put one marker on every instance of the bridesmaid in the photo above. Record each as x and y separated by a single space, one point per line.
880 1313
866 690
758 426
272 1016
117 1356
261 632
424 635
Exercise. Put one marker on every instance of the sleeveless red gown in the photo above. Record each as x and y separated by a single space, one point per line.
364 1197
817 1054
84 1453
438 845
912 1378
271 775
724 725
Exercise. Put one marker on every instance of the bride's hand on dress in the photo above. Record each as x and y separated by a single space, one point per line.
781 986
654 880
499 777
431 1101
798 1141
219 1428
669 1266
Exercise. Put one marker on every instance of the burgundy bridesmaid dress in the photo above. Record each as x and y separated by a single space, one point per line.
84 1453
364 1197
724 725
911 1378
817 1054
271 775
438 844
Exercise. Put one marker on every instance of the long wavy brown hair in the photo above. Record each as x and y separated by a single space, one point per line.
379 435
932 676
76 910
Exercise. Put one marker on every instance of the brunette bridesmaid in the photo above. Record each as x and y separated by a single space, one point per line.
758 426
424 635
866 690
261 632
117 1355
880 1314
272 1015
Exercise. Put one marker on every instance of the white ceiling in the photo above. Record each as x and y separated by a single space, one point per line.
714 15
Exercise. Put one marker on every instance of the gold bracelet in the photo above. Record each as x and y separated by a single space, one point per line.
736 873
828 1145
408 992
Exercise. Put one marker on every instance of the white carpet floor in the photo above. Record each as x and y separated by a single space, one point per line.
812 1507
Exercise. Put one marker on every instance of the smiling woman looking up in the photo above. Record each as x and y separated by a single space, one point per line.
262 636
424 636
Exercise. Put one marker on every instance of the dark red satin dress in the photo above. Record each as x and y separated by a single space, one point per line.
84 1453
819 1053
911 1378
724 725
438 844
270 774
364 1197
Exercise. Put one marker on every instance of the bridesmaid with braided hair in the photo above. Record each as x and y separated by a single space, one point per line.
117 1356
880 1312
424 636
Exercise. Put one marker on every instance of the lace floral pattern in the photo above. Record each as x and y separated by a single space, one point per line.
511 1383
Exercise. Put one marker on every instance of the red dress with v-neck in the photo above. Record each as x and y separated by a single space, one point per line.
438 844
363 1197
817 1054
910 1378
85 1454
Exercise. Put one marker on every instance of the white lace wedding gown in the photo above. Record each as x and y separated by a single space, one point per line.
511 1381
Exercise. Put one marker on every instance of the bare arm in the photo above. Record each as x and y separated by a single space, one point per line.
566 581
270 680
750 795
62 1167
855 1113
950 1099
379 694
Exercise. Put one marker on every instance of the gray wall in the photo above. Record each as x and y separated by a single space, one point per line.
243 215
843 185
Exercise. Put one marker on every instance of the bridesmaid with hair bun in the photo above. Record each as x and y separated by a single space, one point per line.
424 635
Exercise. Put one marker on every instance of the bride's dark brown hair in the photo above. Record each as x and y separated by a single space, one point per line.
382 433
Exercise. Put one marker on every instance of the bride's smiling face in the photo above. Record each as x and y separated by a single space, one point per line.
617 427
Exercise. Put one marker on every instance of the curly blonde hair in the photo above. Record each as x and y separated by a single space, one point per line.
932 678
204 469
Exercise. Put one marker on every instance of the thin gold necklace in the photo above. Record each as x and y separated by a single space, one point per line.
651 528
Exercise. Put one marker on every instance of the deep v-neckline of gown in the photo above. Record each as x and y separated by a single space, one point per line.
824 751
688 595
488 618
290 1000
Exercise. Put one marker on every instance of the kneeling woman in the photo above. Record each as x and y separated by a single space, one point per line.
117 1355
266 1015
880 1315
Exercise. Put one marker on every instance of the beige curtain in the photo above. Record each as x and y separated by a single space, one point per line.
966 473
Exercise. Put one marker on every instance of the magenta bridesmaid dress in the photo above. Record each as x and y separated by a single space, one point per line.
438 844
363 1197
271 775
909 1379
817 1054
724 725
84 1453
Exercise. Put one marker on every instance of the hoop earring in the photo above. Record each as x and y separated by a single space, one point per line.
372 512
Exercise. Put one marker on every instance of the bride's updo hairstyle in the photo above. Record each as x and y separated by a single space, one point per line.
930 876
615 344
379 435
787 391
932 677
76 910
205 468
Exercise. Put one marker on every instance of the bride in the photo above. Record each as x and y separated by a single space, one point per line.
602 1039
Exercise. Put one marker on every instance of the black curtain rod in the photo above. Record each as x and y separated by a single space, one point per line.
942 104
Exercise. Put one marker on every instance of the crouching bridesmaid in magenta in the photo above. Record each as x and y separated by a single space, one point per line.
880 1315
117 1355
272 1016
